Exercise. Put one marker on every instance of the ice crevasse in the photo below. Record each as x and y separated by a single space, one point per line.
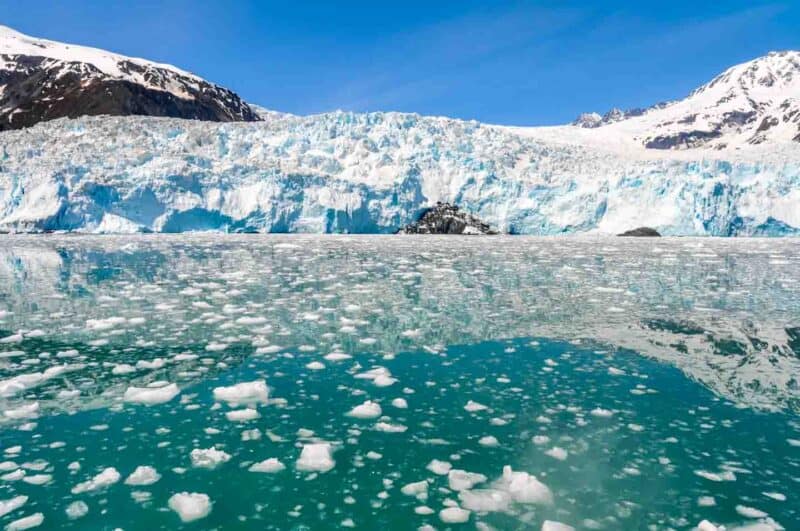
374 173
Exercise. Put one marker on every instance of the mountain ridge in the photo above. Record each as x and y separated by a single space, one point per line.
42 80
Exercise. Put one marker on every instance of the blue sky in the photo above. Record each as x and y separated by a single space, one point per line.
524 63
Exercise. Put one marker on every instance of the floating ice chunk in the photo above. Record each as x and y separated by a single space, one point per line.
400 403
440 468
418 489
454 515
27 522
613 371
242 415
123 368
602 413
157 363
316 457
727 475
557 453
104 479
315 366
540 440
750 512
390 428
524 487
706 501
208 458
105 324
705 525
485 500
337 356
190 506
462 480
15 338
550 525
473 407
488 440
37 479
777 496
268 466
243 393
25 411
143 475
12 504
151 395
76 509
423 510
380 376
374 455
367 410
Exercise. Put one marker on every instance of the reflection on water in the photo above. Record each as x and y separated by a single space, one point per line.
294 382
723 311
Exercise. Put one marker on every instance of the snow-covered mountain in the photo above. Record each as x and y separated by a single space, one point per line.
41 80
750 103
732 168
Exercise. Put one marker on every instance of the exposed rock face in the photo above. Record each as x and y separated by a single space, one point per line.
43 80
641 231
445 218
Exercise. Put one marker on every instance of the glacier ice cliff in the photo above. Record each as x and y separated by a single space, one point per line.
375 173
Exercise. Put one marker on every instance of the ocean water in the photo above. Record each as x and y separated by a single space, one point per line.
306 382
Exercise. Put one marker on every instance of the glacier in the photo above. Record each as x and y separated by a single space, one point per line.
345 172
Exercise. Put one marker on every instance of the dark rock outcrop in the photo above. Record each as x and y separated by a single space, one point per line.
445 218
641 232
36 89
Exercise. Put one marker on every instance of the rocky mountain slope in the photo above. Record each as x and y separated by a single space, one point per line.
42 80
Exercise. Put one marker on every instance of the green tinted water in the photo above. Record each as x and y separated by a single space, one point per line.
616 439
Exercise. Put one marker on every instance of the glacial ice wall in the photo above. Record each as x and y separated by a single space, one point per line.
374 173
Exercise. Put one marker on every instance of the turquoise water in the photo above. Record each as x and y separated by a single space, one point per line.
644 386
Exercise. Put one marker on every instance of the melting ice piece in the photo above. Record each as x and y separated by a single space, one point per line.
12 504
143 475
255 392
462 480
268 466
107 477
209 458
454 515
316 457
26 522
367 410
485 500
550 525
524 487
151 395
190 506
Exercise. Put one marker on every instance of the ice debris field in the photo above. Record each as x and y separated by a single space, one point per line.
277 382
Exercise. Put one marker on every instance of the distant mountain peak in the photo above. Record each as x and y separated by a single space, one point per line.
749 103
42 80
